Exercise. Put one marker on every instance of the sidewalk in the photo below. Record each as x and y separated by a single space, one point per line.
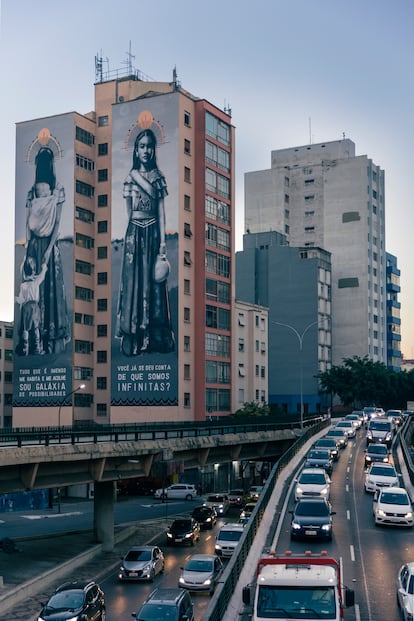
41 564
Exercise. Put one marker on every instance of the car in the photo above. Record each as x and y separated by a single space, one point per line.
179 491
312 519
376 453
166 604
75 601
380 475
247 510
395 416
328 443
369 412
392 507
141 563
236 497
201 572
319 459
205 516
340 435
227 539
183 530
405 590
380 431
360 414
313 482
355 420
254 491
220 502
347 426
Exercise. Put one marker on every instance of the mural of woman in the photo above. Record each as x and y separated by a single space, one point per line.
44 207
143 315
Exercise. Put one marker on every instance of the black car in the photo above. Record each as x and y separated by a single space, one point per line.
166 604
205 516
184 530
312 519
77 601
376 453
320 458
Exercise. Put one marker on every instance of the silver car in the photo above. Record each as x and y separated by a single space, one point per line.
201 573
405 590
141 563
181 491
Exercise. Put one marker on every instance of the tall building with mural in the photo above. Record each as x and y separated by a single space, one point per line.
124 246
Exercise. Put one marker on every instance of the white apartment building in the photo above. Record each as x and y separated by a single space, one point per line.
323 195
250 371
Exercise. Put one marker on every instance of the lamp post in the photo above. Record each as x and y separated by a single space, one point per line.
300 337
69 394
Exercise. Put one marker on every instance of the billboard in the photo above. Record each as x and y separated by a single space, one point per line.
145 203
44 207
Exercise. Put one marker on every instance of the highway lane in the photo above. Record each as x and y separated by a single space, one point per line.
370 556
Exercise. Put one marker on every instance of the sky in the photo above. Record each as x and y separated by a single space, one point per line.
292 73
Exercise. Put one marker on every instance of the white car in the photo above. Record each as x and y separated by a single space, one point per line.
381 475
312 482
405 591
228 539
181 491
392 507
355 420
255 491
201 573
219 502
347 427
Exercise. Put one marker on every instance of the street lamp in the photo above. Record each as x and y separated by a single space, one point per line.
69 394
300 339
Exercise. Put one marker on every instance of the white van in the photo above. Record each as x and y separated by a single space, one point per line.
227 539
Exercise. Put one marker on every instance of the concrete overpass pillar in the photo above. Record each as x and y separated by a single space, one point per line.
103 514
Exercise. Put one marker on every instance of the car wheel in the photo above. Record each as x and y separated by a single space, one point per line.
189 497
192 541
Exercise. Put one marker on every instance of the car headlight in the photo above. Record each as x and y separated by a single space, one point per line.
169 535
207 582
295 526
299 491
324 491
326 527
369 435
408 515
388 436
368 458
188 535
73 618
147 568
181 580
381 513
208 519
217 547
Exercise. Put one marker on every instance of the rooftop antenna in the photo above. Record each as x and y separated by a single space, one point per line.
99 61
227 108
128 62
310 130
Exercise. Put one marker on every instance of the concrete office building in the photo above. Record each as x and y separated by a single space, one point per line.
124 258
393 314
325 196
295 285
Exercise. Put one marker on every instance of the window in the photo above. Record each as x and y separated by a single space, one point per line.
187 230
211 316
84 241
8 333
242 370
85 163
102 304
187 258
187 374
103 226
187 202
101 355
83 267
223 319
83 347
309 198
309 182
287 199
187 119
85 189
217 129
187 147
263 372
101 409
103 121
101 383
102 252
8 399
84 214
84 136
187 174
187 343
83 400
241 344
8 377
102 330
287 182
102 200
102 278
88 320
186 313
187 400
82 373
83 293
187 286
103 174
217 157
217 210
103 148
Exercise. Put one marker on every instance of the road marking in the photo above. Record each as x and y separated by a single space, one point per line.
347 487
352 551
50 515
348 514
357 613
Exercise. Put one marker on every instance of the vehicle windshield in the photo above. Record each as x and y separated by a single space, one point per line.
182 524
296 602
378 449
215 498
229 535
382 471
315 479
319 455
312 508
199 565
380 425
65 600
157 612
390 498
138 555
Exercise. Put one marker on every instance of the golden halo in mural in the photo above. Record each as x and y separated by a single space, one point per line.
43 139
43 136
144 121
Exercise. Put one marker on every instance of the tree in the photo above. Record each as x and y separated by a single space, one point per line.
252 409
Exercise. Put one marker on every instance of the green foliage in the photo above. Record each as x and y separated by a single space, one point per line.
360 382
252 409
